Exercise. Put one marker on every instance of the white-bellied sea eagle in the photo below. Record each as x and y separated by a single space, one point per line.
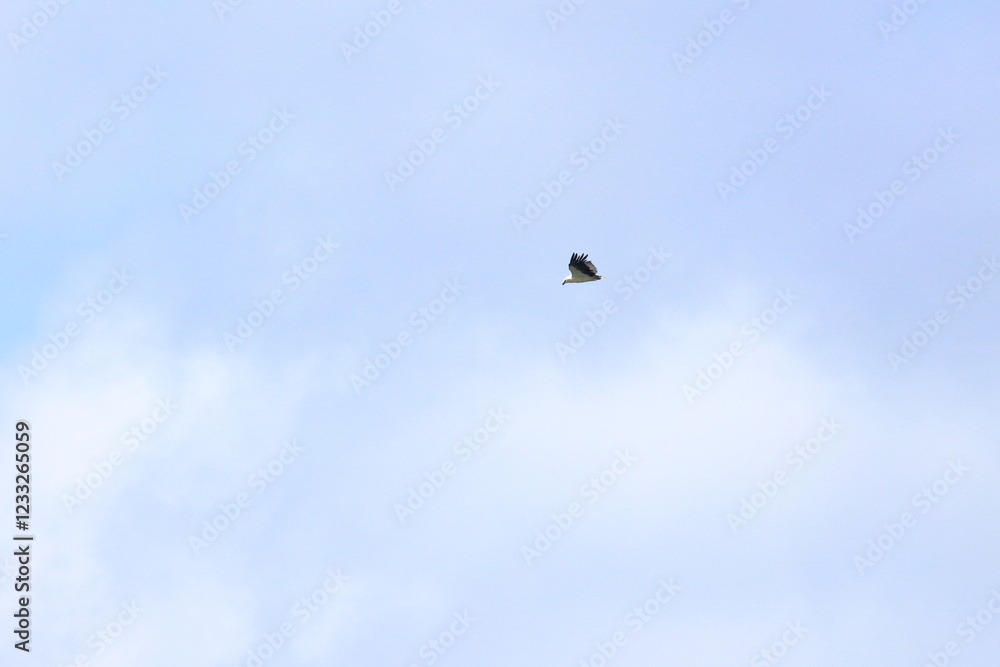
581 270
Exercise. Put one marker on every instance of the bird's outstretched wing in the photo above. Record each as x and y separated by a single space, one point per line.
580 267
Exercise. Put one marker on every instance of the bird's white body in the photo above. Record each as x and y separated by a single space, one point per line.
580 279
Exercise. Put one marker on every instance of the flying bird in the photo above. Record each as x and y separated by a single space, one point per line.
581 270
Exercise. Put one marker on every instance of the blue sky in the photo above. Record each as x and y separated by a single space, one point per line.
289 410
